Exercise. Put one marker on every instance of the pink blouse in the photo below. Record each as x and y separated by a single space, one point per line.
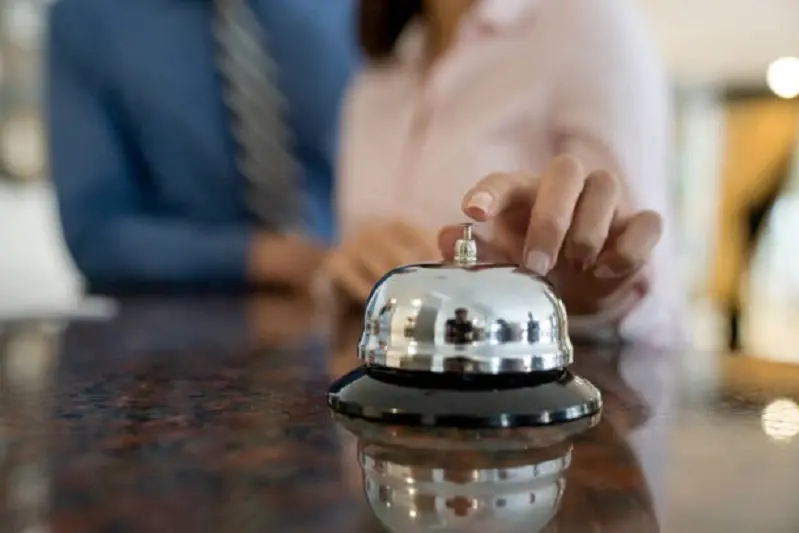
524 81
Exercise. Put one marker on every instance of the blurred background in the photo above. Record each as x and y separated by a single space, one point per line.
735 74
734 65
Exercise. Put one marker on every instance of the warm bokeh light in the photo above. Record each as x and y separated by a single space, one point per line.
783 77
780 420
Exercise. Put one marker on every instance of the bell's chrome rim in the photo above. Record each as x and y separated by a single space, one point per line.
488 361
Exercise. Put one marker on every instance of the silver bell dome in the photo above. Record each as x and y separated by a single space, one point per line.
465 316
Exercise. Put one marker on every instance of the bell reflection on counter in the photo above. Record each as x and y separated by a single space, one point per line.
512 493
422 481
464 344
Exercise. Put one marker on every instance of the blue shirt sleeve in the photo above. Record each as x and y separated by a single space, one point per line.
110 236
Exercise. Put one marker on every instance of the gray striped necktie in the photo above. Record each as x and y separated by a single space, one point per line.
257 117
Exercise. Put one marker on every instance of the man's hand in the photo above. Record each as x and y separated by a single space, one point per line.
578 230
283 260
360 262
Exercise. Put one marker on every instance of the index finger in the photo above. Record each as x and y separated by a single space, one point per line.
552 212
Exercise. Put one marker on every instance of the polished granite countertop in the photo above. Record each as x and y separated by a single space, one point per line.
207 413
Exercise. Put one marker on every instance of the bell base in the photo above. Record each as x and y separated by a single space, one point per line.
376 397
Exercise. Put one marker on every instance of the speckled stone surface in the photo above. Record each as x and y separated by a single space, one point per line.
208 414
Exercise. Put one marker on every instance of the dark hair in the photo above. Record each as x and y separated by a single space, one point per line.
381 22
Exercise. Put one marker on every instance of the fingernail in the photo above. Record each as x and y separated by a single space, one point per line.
482 201
605 272
581 265
538 262
578 263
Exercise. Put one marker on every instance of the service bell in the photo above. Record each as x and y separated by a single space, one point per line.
464 344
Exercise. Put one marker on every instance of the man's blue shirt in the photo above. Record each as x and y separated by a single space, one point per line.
141 153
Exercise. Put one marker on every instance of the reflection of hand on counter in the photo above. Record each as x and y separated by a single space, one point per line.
617 479
623 406
160 329
155 327
284 261
606 487
602 497
275 321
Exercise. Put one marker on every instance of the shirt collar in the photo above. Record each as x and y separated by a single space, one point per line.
486 17
500 15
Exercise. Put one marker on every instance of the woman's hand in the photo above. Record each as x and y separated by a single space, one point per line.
578 230
356 265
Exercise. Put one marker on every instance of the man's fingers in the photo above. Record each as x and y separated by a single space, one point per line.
632 248
551 215
494 193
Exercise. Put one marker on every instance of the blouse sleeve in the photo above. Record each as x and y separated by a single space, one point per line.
612 111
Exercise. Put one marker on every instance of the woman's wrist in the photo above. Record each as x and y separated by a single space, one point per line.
609 315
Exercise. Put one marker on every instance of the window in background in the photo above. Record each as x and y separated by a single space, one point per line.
22 154
697 173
